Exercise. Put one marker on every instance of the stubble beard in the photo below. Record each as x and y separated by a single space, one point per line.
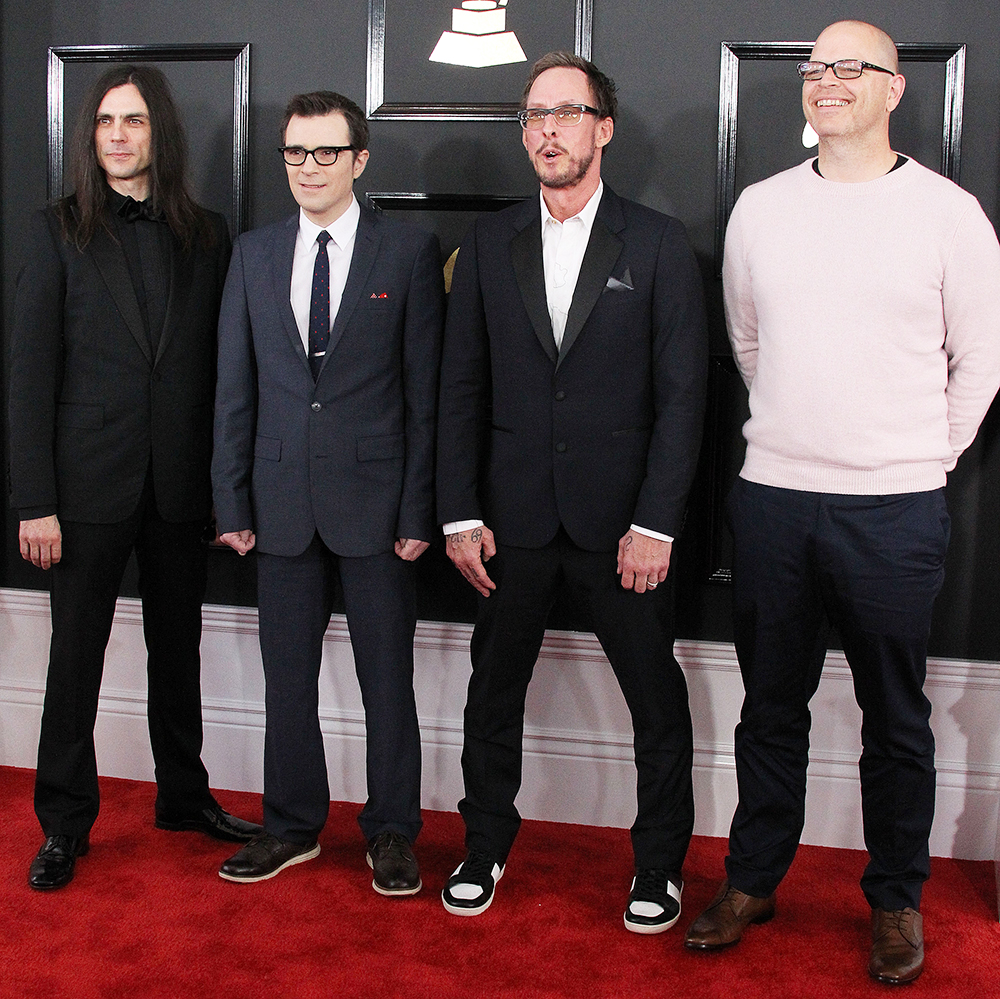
575 171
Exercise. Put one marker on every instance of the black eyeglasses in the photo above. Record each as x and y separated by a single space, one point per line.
843 69
323 155
565 114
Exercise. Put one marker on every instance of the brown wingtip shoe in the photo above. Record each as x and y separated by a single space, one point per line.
897 946
729 914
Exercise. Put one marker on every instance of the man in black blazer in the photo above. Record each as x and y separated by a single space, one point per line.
329 345
112 380
572 396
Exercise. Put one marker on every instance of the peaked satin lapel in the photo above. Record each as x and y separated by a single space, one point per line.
366 244
602 253
283 252
526 257
110 260
181 268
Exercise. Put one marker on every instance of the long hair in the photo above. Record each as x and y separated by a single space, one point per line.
168 167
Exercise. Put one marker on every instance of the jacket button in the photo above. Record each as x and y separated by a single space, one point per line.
316 407
560 447
560 395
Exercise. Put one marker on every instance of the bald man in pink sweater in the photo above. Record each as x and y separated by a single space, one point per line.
862 296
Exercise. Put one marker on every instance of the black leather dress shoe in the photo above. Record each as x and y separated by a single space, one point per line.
215 822
393 864
55 862
264 856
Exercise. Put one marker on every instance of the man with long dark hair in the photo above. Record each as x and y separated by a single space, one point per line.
112 384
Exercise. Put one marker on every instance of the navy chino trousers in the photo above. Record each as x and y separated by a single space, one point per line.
872 566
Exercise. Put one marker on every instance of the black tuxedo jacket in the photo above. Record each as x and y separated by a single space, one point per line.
350 455
598 435
91 408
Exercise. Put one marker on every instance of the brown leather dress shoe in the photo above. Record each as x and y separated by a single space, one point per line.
393 865
897 946
723 922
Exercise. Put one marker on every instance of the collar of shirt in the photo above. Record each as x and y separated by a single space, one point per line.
587 214
341 230
563 247
340 250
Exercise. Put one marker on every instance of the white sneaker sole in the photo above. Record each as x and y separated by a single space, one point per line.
465 911
648 929
297 859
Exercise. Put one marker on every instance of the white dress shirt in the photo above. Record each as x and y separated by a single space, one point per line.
563 247
340 249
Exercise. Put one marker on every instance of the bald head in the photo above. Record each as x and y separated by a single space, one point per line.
851 115
869 43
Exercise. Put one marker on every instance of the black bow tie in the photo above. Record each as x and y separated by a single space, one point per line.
130 210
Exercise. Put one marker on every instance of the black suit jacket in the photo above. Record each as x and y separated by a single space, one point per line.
90 406
350 455
600 434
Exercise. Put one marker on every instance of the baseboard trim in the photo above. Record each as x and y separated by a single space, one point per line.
577 743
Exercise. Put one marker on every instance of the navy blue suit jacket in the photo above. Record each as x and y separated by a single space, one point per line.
350 455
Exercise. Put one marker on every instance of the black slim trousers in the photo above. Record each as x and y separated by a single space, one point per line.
636 631
172 576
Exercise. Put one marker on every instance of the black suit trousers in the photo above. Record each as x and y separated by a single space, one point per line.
172 577
872 566
636 631
295 597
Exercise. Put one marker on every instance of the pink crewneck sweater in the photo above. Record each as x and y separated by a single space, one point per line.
865 320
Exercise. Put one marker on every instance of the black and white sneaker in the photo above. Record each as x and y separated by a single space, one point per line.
469 891
654 904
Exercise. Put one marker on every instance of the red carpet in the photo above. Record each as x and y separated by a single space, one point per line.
147 916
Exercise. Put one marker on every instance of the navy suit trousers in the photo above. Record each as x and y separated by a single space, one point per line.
872 566
295 596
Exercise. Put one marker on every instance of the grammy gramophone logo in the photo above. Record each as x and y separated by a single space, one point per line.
478 36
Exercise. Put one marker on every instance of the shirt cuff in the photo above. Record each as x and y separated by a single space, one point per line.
456 526
650 534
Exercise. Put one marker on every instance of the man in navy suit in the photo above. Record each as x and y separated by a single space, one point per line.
572 397
329 343
112 381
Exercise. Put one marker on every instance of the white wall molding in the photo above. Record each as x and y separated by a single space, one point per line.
578 740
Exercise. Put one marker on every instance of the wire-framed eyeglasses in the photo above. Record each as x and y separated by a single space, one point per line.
565 114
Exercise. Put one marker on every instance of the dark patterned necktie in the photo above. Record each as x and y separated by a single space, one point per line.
319 306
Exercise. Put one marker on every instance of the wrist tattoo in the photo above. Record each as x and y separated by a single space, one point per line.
455 539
